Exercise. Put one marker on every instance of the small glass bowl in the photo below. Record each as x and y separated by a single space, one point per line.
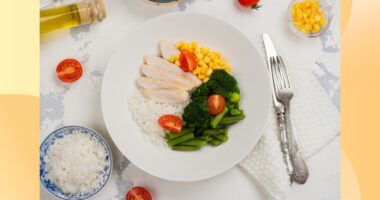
327 9
162 2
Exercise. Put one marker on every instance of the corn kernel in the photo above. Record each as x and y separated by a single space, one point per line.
207 59
179 44
203 51
176 62
318 18
316 28
322 22
204 69
211 65
201 76
293 12
308 27
194 44
206 79
209 72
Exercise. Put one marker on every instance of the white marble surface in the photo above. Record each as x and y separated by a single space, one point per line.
79 103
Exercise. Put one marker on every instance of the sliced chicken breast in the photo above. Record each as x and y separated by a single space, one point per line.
163 74
168 49
166 95
164 64
152 83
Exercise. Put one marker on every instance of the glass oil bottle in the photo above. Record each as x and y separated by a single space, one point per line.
72 15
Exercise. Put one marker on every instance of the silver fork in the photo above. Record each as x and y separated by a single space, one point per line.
284 94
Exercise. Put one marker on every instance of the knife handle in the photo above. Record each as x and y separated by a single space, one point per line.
300 173
285 147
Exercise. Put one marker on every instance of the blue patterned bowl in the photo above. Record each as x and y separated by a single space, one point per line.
60 133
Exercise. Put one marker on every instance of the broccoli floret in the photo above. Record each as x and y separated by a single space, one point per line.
216 88
196 114
201 91
224 78
223 83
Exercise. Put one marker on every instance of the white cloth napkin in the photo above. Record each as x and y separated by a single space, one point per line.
316 121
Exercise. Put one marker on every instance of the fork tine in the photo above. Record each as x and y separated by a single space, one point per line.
284 72
280 79
274 74
277 75
281 75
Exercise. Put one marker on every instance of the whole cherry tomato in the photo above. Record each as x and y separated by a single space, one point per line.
254 4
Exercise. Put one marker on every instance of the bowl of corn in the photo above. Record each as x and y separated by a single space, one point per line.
310 17
208 60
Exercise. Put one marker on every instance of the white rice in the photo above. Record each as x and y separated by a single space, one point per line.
146 113
74 163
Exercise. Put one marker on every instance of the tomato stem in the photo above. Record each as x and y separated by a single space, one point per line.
256 6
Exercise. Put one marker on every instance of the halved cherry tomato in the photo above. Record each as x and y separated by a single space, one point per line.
69 70
216 104
138 193
187 61
171 123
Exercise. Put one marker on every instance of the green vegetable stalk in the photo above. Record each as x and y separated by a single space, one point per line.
186 148
232 119
213 131
194 142
220 137
180 139
214 122
215 142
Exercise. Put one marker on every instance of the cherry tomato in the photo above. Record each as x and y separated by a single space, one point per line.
187 61
69 70
138 193
254 4
171 123
216 104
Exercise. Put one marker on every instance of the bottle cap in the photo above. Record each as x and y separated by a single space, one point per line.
100 8
91 10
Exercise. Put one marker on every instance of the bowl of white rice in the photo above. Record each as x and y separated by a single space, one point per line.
75 163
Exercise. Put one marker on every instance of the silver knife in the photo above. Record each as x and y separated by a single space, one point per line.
280 110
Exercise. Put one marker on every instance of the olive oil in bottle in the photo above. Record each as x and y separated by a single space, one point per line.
84 12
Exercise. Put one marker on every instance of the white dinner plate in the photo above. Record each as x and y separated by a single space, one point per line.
119 82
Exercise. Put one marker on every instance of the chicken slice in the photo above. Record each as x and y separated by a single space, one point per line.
168 49
152 83
164 64
163 74
166 95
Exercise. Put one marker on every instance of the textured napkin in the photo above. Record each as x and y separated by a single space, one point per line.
315 119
